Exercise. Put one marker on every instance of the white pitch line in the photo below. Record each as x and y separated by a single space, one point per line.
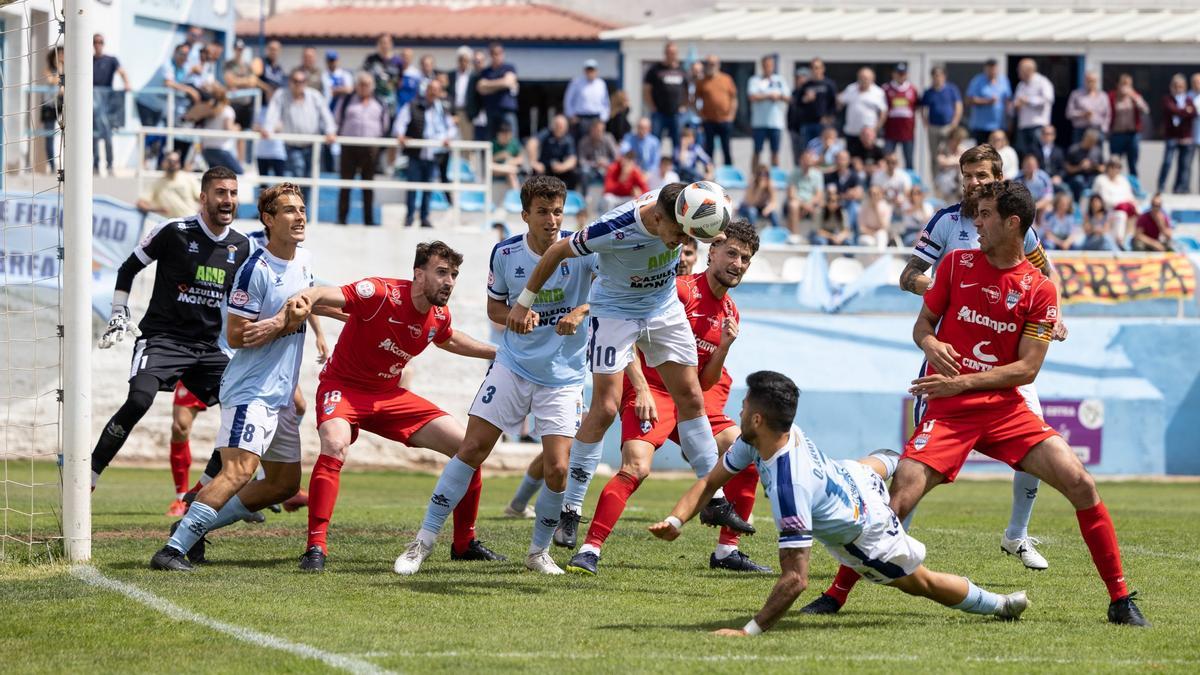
91 576
784 658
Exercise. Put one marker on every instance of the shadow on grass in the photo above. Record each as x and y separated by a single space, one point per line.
739 618
465 587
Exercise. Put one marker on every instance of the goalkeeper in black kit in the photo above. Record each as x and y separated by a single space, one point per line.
178 337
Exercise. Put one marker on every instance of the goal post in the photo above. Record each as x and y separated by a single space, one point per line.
76 280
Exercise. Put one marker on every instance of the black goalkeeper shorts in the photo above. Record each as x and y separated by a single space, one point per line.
169 359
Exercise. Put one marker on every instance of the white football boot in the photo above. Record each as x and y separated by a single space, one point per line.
542 563
410 561
1012 607
1024 550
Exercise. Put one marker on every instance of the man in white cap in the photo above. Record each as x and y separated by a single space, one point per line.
586 99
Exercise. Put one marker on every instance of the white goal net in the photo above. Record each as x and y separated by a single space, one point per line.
31 253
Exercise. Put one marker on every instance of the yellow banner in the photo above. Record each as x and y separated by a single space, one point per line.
1125 279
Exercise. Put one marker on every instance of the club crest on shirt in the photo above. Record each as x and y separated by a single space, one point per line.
992 294
1013 297
920 441
564 270
394 295
1051 312
239 298
365 289
232 253
414 330
967 260
439 312
1026 282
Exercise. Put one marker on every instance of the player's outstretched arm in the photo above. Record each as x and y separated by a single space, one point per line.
940 355
688 506
793 579
464 345
913 278
518 317
120 322
711 374
1030 354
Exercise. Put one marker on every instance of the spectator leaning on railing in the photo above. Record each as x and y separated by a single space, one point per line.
1089 107
719 98
900 126
988 96
586 100
218 115
1179 115
942 110
768 94
1128 110
360 115
239 76
427 118
299 109
106 104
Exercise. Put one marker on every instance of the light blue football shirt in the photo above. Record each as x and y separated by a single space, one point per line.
635 273
543 356
950 230
811 495
265 374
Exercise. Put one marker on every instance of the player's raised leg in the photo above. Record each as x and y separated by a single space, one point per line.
636 457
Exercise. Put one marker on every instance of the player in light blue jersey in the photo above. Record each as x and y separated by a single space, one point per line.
258 424
540 372
842 504
948 230
633 301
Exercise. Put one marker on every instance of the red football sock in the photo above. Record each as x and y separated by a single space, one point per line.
181 464
322 495
740 491
610 507
1101 537
842 584
466 512
196 488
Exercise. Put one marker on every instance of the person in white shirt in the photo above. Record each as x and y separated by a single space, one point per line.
894 181
586 100
1033 101
1011 164
865 105
769 95
1117 192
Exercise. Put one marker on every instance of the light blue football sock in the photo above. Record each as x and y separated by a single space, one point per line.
1024 489
549 505
448 492
525 491
907 522
890 459
232 512
585 457
978 601
196 522
698 444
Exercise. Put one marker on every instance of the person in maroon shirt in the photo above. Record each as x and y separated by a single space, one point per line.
901 118
1152 232
1179 113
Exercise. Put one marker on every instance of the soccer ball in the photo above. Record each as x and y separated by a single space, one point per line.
703 209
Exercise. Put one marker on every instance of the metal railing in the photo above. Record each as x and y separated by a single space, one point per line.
316 181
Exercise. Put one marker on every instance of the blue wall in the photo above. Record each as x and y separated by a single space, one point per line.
853 372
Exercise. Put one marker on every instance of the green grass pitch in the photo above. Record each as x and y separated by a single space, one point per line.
649 610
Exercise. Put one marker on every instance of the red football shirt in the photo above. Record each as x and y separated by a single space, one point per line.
383 334
902 111
984 314
706 314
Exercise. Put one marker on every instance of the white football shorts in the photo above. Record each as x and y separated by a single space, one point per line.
505 399
273 435
666 337
883 552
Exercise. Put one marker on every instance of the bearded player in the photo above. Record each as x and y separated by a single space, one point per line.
633 301
390 322
648 415
985 327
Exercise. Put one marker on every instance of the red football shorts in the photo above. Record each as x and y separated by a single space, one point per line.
186 399
395 415
1005 432
656 434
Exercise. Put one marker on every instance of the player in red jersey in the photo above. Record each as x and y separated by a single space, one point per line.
648 415
390 322
184 409
985 328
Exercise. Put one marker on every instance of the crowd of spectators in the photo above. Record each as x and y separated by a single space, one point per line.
853 178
